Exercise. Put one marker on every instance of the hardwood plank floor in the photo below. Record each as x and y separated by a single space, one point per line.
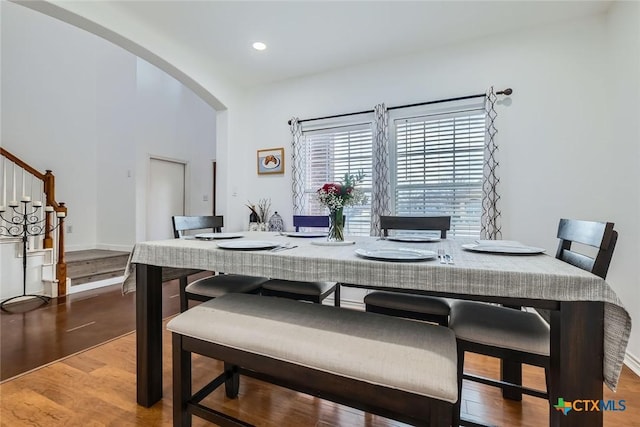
97 387
34 334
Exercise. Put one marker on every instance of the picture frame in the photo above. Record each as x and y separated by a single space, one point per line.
270 161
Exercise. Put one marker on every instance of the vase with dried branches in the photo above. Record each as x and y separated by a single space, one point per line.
260 212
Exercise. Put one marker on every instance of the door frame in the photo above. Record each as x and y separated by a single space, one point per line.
187 181
213 192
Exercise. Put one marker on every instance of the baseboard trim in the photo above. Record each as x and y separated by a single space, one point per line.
95 285
106 247
632 363
73 248
119 248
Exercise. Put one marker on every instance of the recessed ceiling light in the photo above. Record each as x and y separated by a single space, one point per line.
259 46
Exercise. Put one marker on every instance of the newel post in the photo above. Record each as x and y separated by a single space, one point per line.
49 191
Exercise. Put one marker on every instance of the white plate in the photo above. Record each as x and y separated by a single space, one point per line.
413 238
498 249
216 236
326 243
395 254
271 164
305 234
247 245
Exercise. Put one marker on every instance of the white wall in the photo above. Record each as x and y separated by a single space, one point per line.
94 114
172 123
555 73
45 119
568 136
115 111
623 161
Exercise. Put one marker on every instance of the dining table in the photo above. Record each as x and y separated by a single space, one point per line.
589 326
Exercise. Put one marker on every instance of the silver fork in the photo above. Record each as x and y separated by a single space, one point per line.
283 247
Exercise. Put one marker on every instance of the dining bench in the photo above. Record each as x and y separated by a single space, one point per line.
393 367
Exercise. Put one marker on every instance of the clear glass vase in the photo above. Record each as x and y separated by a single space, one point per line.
336 226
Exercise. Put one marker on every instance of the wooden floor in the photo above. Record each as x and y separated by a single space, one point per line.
97 386
34 334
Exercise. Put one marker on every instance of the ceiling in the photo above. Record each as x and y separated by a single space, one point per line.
308 37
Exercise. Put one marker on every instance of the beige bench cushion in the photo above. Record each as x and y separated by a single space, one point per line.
500 327
412 356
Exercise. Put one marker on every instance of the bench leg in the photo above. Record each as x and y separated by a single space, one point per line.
181 383
336 296
442 415
232 383
458 405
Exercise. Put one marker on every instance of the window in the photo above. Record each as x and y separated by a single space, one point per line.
436 164
437 167
330 153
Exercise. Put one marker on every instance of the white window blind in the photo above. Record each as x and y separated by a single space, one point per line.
438 168
329 154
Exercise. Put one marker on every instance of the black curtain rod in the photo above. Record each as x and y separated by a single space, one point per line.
507 91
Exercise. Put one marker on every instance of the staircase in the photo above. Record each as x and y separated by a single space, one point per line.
94 265
31 226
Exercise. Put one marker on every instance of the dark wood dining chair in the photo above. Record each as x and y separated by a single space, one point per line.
411 306
217 285
523 336
304 291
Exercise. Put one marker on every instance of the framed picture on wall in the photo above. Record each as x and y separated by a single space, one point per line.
270 160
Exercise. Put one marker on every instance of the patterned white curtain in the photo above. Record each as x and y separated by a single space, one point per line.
297 168
380 176
490 220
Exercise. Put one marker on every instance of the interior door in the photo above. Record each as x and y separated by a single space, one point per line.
165 197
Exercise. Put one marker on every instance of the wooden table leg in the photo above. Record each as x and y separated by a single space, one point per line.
149 334
577 336
511 371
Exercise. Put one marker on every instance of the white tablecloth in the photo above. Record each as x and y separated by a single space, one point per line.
532 276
